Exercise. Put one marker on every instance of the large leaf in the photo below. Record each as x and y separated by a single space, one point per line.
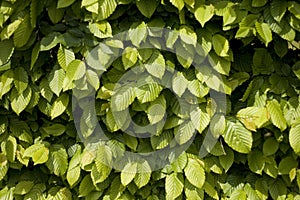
264 32
128 173
173 186
58 160
129 57
276 114
238 137
65 57
20 101
38 152
194 173
220 45
294 137
156 65
200 119
59 105
56 80
179 84
253 117
256 162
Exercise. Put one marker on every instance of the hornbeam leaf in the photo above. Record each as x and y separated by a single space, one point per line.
59 106
238 137
146 7
173 186
204 13
276 114
194 172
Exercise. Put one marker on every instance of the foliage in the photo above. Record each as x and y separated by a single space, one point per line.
252 44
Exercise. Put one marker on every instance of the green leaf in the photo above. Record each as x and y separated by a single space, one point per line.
204 13
12 27
86 186
238 194
106 8
65 57
123 97
50 41
75 71
220 64
143 174
286 165
128 173
276 114
146 7
238 137
93 79
229 16
178 4
20 79
58 160
59 105
256 162
56 80
102 168
3 166
200 119
184 132
54 129
11 148
38 152
194 173
20 101
6 194
227 160
220 45
23 32
101 29
23 187
129 57
156 111
253 117
155 65
179 83
64 3
55 14
270 146
191 192
173 186
73 172
262 62
278 9
277 189
148 92
294 138
264 32
259 3
6 82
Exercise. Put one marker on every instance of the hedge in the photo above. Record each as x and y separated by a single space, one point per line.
211 87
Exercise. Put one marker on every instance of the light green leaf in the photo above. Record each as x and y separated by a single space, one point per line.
6 81
264 32
197 88
101 29
204 13
200 119
184 132
148 92
146 7
93 78
178 4
129 57
294 138
128 173
156 110
58 160
75 70
179 83
173 186
54 129
59 105
276 114
123 97
3 166
38 152
253 117
64 3
220 45
20 101
12 27
238 137
56 80
50 41
194 173
220 64
65 57
23 187
143 174
155 65
106 8
137 33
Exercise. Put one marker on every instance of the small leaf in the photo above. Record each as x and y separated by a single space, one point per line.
65 57
20 101
23 187
155 65
264 32
58 160
128 173
256 162
64 3
270 146
179 84
173 186
56 79
129 57
220 45
276 114
259 3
